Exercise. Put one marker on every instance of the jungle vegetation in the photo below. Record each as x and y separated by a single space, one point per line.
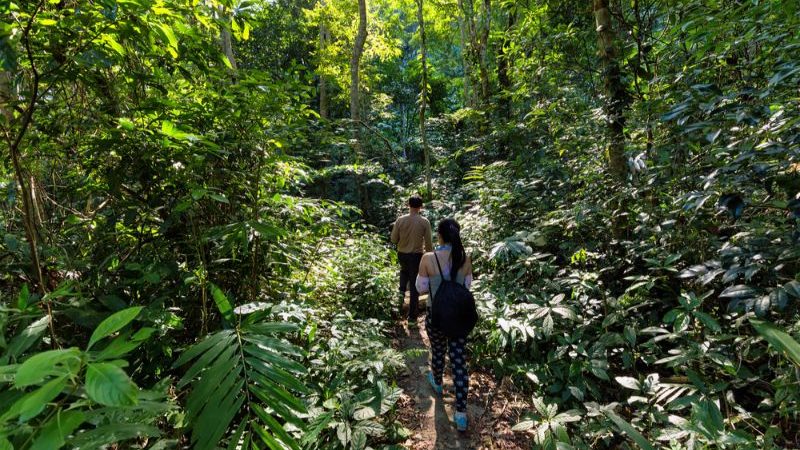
196 197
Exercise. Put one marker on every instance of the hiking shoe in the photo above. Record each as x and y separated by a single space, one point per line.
460 418
437 388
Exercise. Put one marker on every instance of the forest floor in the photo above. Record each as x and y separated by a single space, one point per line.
493 408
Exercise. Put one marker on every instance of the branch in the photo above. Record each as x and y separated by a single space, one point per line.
27 198
26 119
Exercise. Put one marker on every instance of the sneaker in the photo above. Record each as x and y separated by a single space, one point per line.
460 418
437 388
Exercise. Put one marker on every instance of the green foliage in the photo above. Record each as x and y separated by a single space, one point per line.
549 426
351 368
250 373
80 398
341 21
663 272
155 198
779 339
355 271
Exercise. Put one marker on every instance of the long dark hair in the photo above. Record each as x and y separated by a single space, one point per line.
450 231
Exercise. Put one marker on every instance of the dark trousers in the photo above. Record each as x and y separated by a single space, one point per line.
457 349
409 267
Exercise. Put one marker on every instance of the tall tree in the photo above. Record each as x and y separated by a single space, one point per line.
323 83
477 48
226 41
503 62
616 96
355 61
355 100
483 48
423 96
15 131
463 27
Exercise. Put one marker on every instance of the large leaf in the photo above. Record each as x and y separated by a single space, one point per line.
276 428
738 291
124 344
109 385
628 429
229 364
33 403
629 382
793 288
708 418
114 323
23 341
108 434
222 303
43 365
779 339
55 432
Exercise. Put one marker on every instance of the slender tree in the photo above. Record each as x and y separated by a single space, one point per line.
323 83
503 78
15 139
465 63
477 51
483 48
423 96
355 61
226 42
355 103
616 96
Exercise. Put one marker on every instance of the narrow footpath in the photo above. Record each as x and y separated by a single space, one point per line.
492 409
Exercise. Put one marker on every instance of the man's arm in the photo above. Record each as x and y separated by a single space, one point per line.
428 237
395 232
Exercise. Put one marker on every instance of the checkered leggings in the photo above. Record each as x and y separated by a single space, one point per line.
458 361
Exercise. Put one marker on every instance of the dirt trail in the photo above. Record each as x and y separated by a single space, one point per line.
490 407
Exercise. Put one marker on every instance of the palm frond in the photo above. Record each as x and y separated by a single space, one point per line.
244 380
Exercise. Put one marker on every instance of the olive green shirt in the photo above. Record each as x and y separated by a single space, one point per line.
412 234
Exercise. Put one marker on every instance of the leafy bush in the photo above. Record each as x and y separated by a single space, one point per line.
356 272
79 397
351 367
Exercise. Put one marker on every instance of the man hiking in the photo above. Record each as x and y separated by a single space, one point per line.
412 234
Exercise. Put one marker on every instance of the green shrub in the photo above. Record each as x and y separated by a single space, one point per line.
356 272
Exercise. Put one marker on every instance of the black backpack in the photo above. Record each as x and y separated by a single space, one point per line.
453 310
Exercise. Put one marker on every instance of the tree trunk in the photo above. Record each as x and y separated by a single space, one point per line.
227 46
423 98
7 98
504 102
617 98
355 61
323 83
355 112
483 44
462 27
473 49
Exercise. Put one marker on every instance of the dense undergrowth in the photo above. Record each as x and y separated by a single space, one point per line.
667 335
193 248
641 310
167 281
298 372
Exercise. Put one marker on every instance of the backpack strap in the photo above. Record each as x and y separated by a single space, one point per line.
438 265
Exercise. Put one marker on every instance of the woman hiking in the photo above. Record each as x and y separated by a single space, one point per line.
448 260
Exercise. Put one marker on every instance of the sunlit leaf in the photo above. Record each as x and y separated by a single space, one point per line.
114 323
779 339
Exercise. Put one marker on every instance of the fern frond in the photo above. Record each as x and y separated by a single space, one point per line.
249 373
